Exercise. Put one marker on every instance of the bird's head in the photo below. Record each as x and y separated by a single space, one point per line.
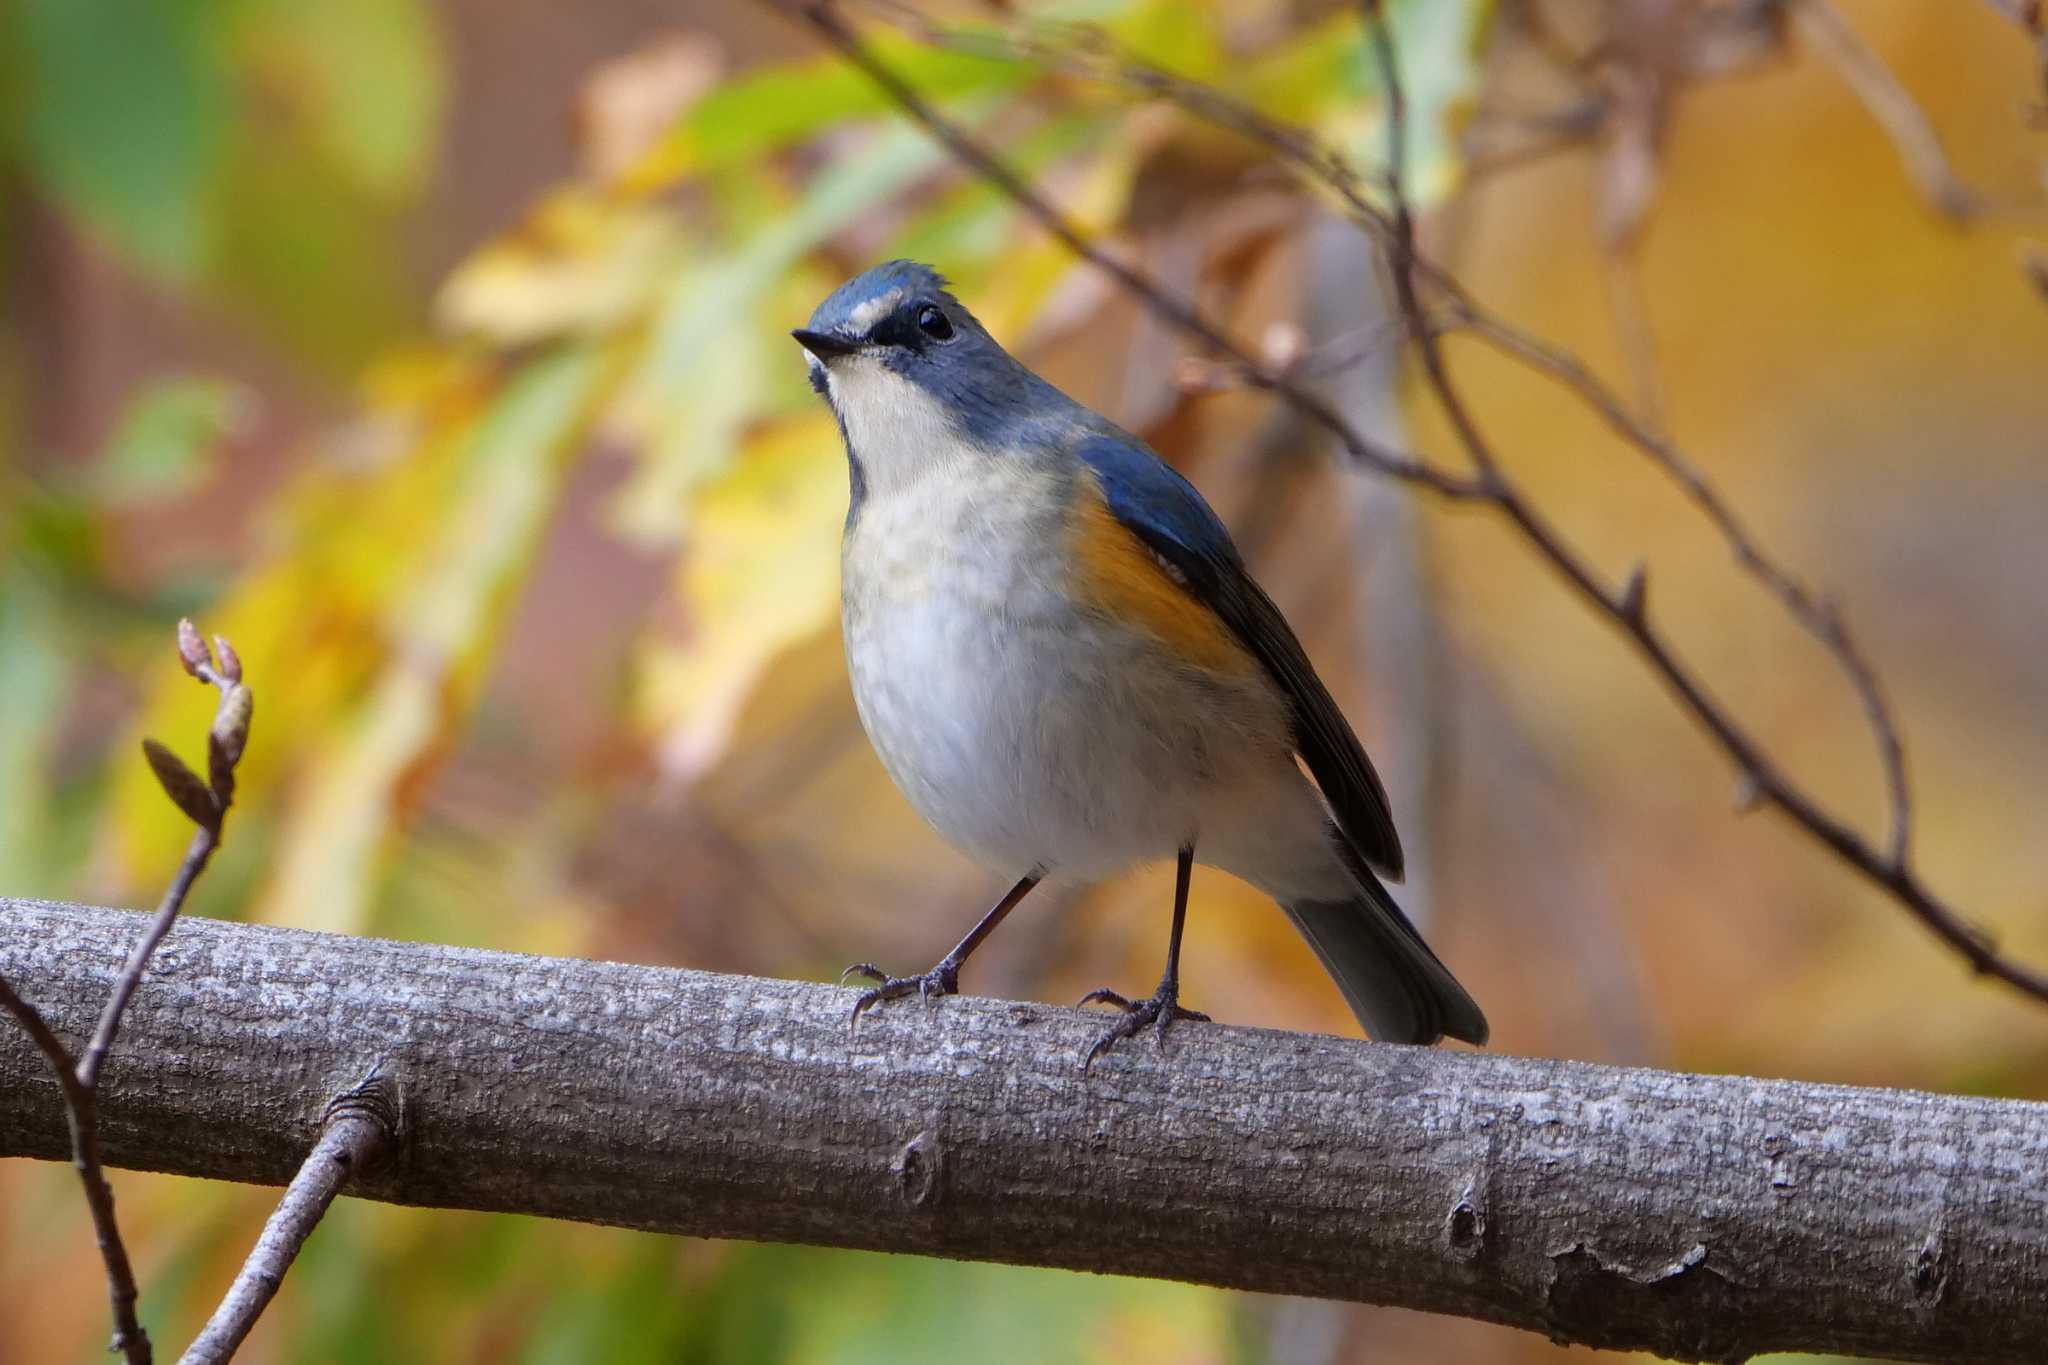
907 369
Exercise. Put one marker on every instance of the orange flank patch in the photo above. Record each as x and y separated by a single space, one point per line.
1119 576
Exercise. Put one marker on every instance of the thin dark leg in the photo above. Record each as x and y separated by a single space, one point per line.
943 979
1164 1006
1184 874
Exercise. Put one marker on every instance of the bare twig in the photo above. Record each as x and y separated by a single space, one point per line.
1183 315
1903 120
81 1117
359 1125
1890 870
1821 620
1818 617
2031 16
206 803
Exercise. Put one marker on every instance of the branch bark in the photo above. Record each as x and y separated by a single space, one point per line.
1698 1216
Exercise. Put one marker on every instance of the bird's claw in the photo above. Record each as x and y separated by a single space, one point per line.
941 980
1162 1010
1105 996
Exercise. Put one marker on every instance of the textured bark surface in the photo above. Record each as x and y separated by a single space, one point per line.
1699 1216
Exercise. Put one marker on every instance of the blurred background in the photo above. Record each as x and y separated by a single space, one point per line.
436 354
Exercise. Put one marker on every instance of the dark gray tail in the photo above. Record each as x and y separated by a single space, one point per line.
1392 981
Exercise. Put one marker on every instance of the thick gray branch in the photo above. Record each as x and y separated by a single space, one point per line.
1698 1216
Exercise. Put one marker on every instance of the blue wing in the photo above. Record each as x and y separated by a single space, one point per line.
1165 511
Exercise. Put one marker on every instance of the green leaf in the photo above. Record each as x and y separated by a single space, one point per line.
181 784
166 442
974 220
1172 35
126 108
307 253
749 117
1438 47
807 1306
364 80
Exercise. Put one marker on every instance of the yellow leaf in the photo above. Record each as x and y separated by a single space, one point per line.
761 574
438 632
579 263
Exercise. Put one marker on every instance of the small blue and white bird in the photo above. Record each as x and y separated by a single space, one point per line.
1066 668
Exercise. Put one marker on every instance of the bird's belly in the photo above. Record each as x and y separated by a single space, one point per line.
1033 735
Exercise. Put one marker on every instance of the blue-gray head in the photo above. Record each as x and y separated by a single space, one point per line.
911 374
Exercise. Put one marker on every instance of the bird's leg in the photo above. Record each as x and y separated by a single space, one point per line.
944 979
1164 1006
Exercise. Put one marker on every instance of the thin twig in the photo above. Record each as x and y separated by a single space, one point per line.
1817 616
1626 606
197 854
1819 619
1903 120
1630 611
359 1125
207 804
1183 315
81 1116
1331 170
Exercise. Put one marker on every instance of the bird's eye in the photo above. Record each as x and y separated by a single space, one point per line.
934 323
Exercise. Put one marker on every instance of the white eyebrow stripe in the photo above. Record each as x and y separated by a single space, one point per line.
873 311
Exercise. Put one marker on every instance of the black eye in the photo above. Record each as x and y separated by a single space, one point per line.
934 323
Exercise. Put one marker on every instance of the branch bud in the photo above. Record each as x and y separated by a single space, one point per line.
1635 595
231 723
230 662
1749 794
192 650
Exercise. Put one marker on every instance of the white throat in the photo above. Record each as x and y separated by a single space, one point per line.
898 431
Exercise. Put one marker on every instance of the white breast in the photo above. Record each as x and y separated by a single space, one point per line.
1030 733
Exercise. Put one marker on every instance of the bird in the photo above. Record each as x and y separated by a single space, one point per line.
1064 665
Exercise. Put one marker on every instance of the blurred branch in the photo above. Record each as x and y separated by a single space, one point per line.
1175 310
359 1125
1702 1217
1626 607
206 804
2034 261
2031 16
1896 111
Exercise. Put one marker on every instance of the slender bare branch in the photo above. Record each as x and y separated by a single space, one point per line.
1892 872
206 802
1890 869
360 1125
81 1118
1328 169
1896 111
1189 320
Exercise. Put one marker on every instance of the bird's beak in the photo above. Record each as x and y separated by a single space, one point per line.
824 345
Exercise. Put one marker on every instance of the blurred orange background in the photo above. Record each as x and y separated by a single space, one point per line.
435 355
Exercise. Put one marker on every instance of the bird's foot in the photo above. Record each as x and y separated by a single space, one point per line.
943 979
1162 1010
